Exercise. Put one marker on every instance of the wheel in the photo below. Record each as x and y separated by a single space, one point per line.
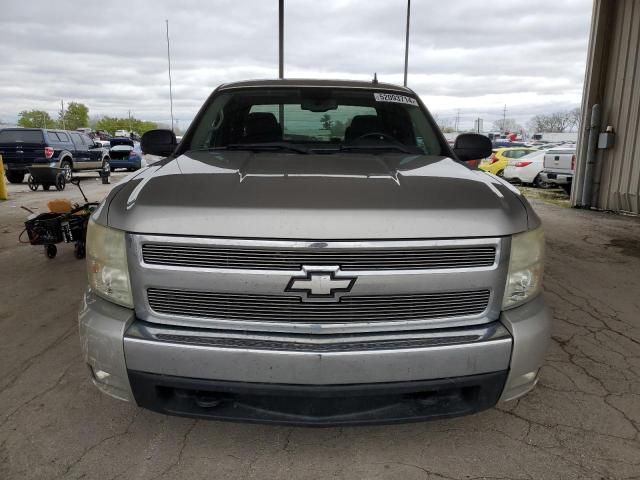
46 187
500 173
15 176
538 183
567 188
33 185
60 182
80 251
68 169
50 251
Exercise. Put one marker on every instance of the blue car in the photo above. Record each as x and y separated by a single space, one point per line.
125 153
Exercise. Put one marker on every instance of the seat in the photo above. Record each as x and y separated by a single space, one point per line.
363 124
262 127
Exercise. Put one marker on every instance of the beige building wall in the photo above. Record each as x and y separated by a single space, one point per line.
613 81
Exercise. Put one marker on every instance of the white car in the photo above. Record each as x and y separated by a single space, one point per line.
526 169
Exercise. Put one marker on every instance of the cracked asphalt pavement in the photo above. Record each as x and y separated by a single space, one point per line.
580 422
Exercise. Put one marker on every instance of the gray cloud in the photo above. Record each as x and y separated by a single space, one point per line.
468 55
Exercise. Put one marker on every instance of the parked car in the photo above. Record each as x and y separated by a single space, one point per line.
526 169
497 162
125 153
559 167
506 143
268 273
70 150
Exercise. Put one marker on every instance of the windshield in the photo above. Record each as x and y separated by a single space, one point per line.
315 120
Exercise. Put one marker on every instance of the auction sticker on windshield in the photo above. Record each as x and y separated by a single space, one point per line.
392 97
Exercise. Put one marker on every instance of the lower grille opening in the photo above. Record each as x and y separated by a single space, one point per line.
317 405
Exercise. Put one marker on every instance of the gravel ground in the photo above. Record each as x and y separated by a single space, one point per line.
581 421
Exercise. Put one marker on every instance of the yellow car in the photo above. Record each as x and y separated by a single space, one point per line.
498 160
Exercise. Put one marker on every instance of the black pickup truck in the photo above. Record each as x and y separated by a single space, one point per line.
22 147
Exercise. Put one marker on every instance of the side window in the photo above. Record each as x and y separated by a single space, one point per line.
63 137
76 139
86 139
52 136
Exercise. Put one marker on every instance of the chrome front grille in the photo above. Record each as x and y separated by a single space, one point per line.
281 308
223 257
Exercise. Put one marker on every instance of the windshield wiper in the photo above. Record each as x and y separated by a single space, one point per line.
391 146
256 147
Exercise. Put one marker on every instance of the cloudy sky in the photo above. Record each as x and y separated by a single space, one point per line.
465 54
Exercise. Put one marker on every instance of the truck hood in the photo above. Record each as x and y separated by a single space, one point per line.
336 196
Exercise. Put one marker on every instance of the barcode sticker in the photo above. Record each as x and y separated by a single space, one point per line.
395 98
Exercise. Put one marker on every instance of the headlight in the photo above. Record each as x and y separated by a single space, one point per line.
524 280
107 264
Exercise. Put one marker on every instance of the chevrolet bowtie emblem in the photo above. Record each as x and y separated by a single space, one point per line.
320 283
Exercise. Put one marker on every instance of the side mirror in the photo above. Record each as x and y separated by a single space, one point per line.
472 146
159 142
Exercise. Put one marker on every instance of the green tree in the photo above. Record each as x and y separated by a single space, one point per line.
35 119
75 116
111 124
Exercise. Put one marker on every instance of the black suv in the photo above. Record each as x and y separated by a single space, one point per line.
22 147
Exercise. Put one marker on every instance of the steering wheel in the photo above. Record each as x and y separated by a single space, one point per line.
385 136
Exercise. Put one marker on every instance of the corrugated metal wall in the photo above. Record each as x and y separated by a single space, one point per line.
613 81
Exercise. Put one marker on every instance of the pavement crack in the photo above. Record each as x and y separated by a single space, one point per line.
39 394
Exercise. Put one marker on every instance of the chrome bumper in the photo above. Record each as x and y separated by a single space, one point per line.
556 178
115 343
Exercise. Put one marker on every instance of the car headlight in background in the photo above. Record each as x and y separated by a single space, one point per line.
107 264
524 280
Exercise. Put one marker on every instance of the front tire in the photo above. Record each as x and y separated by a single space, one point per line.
15 177
500 173
538 183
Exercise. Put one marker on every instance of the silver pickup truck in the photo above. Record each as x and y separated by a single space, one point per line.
313 252
559 167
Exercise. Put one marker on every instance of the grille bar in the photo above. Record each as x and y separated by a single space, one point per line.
204 256
280 308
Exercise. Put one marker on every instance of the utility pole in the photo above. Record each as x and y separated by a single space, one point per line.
130 129
281 39
281 56
457 119
64 127
504 118
406 43
169 62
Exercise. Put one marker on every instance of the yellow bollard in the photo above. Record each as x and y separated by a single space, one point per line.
3 185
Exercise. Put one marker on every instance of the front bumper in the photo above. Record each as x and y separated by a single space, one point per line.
367 378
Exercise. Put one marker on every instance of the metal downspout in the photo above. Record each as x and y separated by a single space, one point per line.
592 149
